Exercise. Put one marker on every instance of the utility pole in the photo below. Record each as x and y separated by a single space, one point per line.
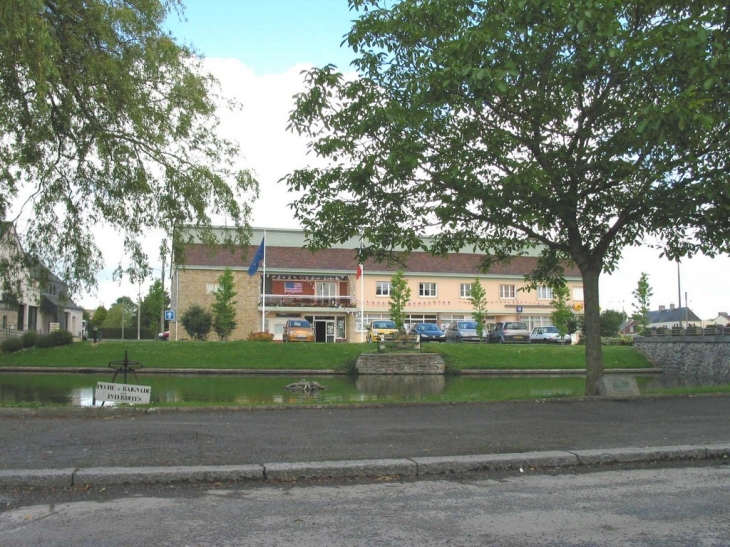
162 309
139 305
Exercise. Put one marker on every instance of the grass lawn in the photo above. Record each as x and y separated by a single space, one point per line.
339 357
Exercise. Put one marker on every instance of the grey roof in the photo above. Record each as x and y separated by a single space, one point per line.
672 315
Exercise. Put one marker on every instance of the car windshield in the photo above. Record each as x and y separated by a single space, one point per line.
383 324
302 323
515 326
427 327
468 325
551 329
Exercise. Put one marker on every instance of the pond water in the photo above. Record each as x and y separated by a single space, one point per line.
247 390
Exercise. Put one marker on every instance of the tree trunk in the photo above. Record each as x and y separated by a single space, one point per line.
594 351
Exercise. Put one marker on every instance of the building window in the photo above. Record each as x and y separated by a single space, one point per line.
465 290
382 288
506 291
578 294
427 289
326 289
544 293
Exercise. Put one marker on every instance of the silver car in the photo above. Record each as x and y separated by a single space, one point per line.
546 335
463 331
509 331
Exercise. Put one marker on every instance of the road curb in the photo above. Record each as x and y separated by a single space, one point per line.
418 467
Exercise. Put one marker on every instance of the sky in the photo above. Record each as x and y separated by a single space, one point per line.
258 49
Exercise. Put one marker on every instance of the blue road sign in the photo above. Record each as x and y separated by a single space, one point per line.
169 315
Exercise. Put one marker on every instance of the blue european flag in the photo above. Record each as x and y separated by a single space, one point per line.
257 258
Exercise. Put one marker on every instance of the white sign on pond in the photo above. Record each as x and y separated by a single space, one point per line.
123 393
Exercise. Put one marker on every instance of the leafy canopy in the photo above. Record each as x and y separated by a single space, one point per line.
582 126
106 120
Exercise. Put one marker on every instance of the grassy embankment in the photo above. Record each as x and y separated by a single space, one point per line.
338 357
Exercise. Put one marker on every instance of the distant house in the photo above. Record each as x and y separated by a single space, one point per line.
628 327
33 298
723 318
670 317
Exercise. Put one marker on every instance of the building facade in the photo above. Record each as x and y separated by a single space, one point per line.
38 300
324 287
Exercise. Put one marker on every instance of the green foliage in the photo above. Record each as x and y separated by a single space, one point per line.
123 311
260 337
29 338
224 307
54 339
507 124
105 118
400 294
197 322
575 323
642 294
617 341
562 314
611 321
478 300
11 345
153 305
99 316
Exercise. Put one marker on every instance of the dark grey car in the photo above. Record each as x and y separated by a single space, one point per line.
428 332
463 331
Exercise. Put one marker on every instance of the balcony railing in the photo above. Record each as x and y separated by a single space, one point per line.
308 301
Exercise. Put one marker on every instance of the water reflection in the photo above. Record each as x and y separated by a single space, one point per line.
78 389
404 386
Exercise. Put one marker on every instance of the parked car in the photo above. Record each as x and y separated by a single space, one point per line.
298 330
376 329
428 332
164 335
509 331
462 331
546 335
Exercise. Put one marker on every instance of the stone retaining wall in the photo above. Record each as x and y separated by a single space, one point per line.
690 357
400 363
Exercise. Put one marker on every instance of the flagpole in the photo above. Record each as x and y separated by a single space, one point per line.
263 288
362 295
362 303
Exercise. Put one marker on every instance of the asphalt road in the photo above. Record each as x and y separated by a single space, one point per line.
658 507
66 438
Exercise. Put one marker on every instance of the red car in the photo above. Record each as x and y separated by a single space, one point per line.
164 335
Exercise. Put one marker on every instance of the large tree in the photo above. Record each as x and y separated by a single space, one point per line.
153 305
106 120
579 126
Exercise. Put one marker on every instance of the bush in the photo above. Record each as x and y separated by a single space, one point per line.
29 338
61 338
11 345
260 337
197 322
54 339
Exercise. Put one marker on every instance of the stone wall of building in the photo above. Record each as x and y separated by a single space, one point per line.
689 357
194 288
